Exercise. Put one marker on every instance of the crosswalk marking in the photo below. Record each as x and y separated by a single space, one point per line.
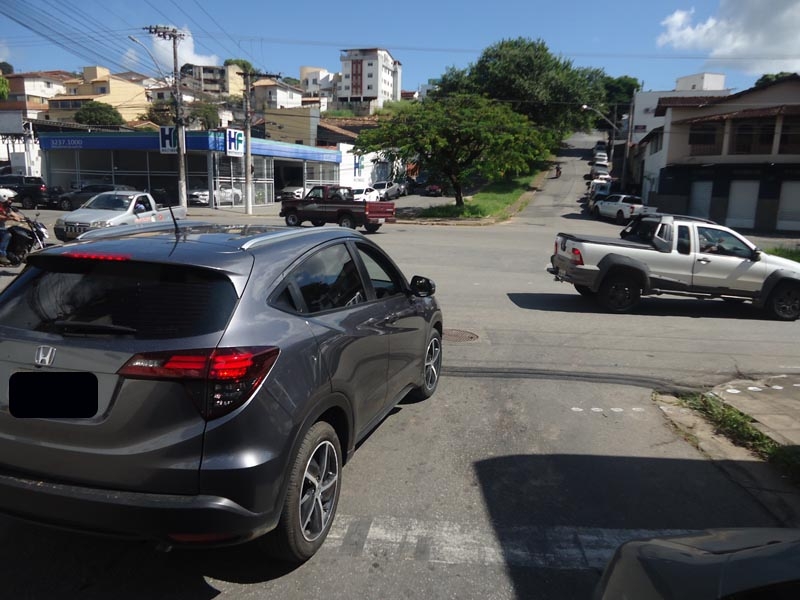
468 544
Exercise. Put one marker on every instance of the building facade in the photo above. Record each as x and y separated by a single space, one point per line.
99 85
733 159
370 78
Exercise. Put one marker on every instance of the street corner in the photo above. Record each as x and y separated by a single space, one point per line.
772 402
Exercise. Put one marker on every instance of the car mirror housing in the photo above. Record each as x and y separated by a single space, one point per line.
422 286
756 255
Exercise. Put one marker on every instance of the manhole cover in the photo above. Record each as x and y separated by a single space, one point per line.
459 335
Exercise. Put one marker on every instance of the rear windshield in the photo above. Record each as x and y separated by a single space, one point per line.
140 300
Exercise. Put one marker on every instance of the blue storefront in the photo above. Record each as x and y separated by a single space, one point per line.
75 159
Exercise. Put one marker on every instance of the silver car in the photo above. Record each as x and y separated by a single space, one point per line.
196 384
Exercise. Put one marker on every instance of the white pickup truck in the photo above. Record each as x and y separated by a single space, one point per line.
110 209
683 256
620 207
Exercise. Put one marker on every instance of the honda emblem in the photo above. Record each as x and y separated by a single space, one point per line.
44 356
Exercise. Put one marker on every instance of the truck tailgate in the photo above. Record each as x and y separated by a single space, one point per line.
379 210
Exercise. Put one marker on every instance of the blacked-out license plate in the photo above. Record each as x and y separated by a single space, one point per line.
43 395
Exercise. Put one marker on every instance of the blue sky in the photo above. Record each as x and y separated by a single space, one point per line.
655 42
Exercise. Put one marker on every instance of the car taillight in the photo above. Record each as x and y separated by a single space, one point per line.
219 380
577 257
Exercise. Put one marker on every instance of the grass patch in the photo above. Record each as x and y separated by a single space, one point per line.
494 200
739 428
790 253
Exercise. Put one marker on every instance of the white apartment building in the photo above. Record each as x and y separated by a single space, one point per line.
369 76
318 82
270 93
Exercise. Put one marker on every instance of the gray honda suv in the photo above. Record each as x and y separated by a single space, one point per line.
198 384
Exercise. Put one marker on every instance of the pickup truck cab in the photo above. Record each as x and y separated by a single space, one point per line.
336 204
110 209
620 207
31 191
682 256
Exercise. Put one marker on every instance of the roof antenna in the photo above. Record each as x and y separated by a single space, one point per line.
174 221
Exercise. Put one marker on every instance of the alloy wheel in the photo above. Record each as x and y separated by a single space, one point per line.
318 495
433 362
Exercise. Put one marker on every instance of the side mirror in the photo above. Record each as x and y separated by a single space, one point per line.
422 286
756 255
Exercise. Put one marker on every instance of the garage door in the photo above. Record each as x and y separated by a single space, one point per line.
789 207
700 199
742 203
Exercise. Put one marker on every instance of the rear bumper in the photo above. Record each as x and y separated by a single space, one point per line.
170 519
569 273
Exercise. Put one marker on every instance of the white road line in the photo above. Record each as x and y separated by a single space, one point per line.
470 544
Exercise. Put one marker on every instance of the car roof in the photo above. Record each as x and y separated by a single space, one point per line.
228 248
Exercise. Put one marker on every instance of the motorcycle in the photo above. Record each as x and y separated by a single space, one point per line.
25 240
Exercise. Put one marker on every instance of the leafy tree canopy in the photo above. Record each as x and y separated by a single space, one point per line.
160 112
205 112
4 88
246 65
98 113
6 68
547 89
768 78
291 80
457 138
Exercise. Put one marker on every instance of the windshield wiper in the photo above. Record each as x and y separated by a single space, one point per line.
78 327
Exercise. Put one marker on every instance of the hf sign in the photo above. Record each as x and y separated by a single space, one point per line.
234 142
168 139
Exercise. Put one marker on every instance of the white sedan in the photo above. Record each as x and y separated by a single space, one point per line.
366 194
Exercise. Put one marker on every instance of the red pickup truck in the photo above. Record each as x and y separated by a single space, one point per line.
335 204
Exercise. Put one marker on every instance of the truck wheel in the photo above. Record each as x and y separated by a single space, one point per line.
784 302
292 220
584 290
619 293
596 212
620 218
65 204
318 223
347 221
28 203
372 227
312 496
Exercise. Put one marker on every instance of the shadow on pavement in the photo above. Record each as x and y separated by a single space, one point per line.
654 306
571 511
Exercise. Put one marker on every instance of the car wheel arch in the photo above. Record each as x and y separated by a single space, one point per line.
615 264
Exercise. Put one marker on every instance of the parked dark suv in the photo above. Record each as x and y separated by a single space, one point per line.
31 191
198 384
74 199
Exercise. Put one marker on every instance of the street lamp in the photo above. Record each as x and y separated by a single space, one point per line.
150 54
614 127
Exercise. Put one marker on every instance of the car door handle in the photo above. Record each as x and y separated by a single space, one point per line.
704 260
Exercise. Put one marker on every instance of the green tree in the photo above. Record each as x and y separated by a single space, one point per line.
98 113
457 138
205 112
160 112
4 88
6 68
246 65
291 81
523 73
769 78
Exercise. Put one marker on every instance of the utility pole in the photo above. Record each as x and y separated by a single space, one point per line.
248 154
170 33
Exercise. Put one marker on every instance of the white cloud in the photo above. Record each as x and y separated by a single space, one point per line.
756 37
162 50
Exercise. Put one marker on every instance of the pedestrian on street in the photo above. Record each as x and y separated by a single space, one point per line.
6 214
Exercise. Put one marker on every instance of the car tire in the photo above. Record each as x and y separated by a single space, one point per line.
620 218
292 219
584 290
619 293
65 204
318 223
372 227
596 212
784 302
28 203
431 368
312 496
348 221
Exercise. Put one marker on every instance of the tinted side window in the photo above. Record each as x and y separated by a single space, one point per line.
385 279
329 279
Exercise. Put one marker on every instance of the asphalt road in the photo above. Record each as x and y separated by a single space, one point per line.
541 451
